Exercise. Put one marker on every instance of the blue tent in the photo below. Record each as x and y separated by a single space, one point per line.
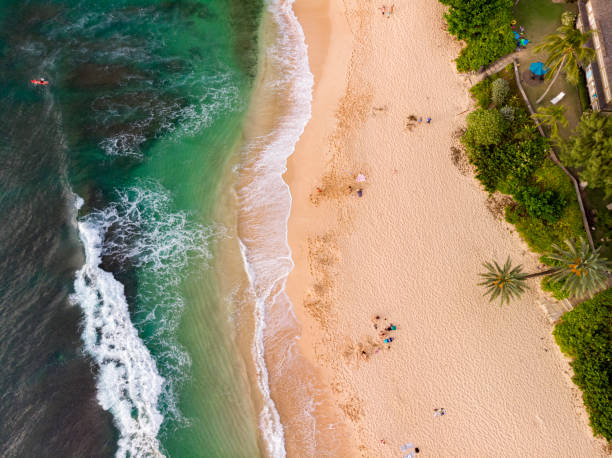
537 68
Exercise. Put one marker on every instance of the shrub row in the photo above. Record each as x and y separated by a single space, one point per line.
585 334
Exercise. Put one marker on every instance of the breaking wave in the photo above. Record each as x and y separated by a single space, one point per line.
138 232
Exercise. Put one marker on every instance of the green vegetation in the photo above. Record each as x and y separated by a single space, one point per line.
567 52
546 205
507 113
554 287
541 234
499 91
579 270
583 92
485 27
552 117
585 334
568 18
590 151
485 127
482 91
511 157
505 282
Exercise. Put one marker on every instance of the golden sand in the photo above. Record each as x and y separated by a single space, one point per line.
410 250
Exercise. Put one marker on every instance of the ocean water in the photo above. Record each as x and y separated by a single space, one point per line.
117 336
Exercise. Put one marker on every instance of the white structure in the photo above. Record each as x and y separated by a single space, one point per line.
596 15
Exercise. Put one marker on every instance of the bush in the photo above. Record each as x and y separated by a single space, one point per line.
554 287
484 127
525 156
482 92
485 27
507 113
568 18
486 49
499 91
540 234
513 153
546 205
585 335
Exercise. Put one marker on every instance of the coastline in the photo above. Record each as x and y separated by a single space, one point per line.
410 250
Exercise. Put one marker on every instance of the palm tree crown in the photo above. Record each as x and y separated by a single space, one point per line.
552 116
566 50
581 269
504 282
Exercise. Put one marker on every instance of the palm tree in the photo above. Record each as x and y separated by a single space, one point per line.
581 270
504 282
566 51
552 116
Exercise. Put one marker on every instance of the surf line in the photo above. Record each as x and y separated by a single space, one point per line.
265 201
128 383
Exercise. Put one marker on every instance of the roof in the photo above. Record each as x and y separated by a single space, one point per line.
602 10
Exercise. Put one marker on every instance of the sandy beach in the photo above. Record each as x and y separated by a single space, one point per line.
410 250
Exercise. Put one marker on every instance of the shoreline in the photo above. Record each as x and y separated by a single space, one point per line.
410 250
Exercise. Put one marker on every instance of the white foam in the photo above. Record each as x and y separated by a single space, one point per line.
128 382
140 229
266 253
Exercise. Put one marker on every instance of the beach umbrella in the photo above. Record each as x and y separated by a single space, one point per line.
537 68
516 35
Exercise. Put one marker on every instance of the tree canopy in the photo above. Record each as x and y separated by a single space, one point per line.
485 26
590 151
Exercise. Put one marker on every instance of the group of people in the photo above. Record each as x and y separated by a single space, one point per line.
385 332
387 11
439 412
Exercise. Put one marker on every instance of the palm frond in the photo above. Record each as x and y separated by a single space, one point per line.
582 270
505 283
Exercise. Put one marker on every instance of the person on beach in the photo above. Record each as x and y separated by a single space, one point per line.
428 120
390 11
383 9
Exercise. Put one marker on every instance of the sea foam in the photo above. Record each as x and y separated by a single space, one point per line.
265 200
128 382
140 229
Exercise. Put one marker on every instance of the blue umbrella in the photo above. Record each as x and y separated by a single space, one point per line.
537 68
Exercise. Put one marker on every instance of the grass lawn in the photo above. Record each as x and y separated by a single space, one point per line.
541 18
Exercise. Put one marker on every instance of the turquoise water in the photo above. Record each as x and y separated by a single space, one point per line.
143 113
